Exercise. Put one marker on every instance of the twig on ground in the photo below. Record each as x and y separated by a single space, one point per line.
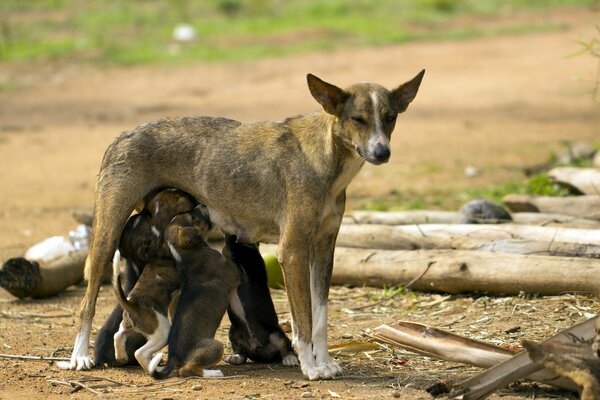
33 358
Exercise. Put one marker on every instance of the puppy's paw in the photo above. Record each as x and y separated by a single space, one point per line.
212 373
235 359
153 364
291 360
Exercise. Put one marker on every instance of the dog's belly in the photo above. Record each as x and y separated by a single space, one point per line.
248 233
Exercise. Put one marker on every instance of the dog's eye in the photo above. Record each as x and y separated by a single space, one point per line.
359 120
390 118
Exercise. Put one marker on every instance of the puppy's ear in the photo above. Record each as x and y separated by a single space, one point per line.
187 237
406 92
331 97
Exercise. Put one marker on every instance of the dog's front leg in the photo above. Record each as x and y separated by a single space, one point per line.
295 252
320 279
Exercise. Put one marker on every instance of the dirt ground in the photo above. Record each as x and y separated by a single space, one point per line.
494 103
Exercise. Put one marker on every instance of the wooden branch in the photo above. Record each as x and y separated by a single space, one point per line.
508 238
583 180
517 367
437 343
576 361
23 278
459 271
456 271
400 217
587 206
450 217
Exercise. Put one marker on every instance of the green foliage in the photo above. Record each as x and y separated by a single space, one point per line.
128 32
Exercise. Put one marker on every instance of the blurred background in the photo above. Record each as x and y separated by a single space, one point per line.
509 85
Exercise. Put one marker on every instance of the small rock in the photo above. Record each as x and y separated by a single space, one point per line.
396 394
197 387
472 172
306 395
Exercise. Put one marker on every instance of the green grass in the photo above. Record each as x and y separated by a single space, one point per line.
133 32
539 185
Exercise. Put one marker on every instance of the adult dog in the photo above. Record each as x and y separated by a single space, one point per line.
267 181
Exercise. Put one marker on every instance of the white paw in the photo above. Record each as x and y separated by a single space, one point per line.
153 364
212 373
290 360
77 363
327 371
236 359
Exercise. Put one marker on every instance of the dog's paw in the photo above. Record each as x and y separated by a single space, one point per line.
79 363
212 373
327 371
235 359
291 360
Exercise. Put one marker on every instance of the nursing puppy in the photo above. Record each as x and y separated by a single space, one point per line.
255 332
146 309
207 281
161 206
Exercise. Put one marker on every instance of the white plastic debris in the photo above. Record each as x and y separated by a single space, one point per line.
80 237
50 249
184 33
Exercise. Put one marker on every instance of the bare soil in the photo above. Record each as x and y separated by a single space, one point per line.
494 103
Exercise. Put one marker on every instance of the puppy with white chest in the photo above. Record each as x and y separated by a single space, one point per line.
146 309
207 281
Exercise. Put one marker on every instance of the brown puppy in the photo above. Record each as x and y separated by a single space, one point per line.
141 244
279 181
146 308
207 281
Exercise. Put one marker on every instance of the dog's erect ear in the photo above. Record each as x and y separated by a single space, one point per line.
406 92
329 96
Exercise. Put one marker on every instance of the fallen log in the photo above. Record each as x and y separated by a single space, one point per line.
396 238
519 366
400 217
456 271
579 180
587 206
432 236
437 343
460 271
451 217
24 278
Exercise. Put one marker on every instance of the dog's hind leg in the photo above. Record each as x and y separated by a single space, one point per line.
116 197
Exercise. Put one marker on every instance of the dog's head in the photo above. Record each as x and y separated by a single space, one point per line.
187 231
365 113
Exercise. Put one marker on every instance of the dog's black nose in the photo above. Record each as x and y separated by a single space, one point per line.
382 153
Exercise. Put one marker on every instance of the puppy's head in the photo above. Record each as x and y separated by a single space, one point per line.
187 231
166 204
138 241
365 113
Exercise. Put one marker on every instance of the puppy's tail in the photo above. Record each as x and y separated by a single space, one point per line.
116 281
207 353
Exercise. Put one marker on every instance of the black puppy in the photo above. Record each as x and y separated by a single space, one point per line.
255 332
207 280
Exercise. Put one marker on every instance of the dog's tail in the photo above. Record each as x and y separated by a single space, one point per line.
207 353
116 280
